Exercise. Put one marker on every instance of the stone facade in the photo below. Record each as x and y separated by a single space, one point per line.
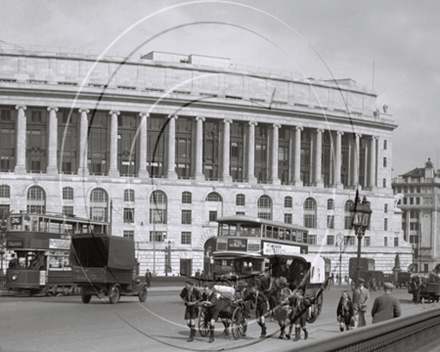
122 140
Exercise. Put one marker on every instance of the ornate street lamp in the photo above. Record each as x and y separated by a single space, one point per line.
360 220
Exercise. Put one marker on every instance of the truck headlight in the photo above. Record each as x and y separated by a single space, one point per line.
14 277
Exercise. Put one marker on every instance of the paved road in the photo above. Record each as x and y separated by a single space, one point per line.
46 324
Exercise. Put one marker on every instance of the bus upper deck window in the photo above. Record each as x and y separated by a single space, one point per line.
288 235
294 236
269 231
275 233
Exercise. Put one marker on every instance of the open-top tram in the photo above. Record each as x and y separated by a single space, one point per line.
41 244
249 247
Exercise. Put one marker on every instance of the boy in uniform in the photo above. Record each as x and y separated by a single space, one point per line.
298 316
261 302
191 296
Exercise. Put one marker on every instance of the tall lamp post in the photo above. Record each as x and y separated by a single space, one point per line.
360 217
2 253
340 238
168 258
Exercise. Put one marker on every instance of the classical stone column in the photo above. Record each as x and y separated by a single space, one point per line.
171 169
20 166
318 159
356 163
143 172
251 153
275 143
338 161
113 169
83 169
372 163
297 169
53 136
226 177
198 175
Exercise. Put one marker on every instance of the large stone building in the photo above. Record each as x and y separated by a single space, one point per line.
419 199
163 144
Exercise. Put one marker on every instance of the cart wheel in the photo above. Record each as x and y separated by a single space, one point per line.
203 322
315 310
114 294
237 323
143 294
84 297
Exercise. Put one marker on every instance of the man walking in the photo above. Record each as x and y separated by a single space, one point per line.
386 307
361 297
148 278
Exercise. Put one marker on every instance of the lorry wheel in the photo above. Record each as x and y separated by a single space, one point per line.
143 294
114 294
85 297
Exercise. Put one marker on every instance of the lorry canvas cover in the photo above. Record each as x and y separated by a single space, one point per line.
102 250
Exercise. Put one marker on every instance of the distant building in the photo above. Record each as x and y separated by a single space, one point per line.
420 203
163 144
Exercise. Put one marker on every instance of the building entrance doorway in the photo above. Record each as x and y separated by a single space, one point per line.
185 267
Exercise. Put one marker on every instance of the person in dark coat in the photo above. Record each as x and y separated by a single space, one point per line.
212 303
191 296
197 275
386 307
299 314
261 302
148 277
345 311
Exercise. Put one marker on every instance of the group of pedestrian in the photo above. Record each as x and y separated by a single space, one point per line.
351 312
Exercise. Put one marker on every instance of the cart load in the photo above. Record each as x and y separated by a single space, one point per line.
104 265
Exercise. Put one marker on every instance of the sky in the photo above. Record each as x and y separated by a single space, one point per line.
392 47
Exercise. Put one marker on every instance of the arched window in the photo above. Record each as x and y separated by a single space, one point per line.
158 208
67 193
265 208
330 204
288 202
186 198
215 206
99 205
36 200
240 199
5 191
128 195
347 215
310 213
214 197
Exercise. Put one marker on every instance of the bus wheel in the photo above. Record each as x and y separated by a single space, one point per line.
114 294
85 297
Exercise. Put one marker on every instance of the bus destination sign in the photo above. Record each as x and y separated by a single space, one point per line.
15 244
279 249
237 244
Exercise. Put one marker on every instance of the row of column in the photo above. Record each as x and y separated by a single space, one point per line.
171 172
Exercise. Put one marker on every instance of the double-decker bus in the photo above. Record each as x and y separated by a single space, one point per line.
248 246
41 244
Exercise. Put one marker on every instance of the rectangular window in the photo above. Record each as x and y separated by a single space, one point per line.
67 210
385 208
158 216
384 162
330 221
330 240
288 202
212 215
5 191
311 239
36 116
240 213
186 238
385 144
129 234
129 215
309 221
413 226
67 193
367 241
417 200
6 115
186 217
385 241
4 210
157 236
411 200
404 200
384 183
287 218
385 224
396 241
